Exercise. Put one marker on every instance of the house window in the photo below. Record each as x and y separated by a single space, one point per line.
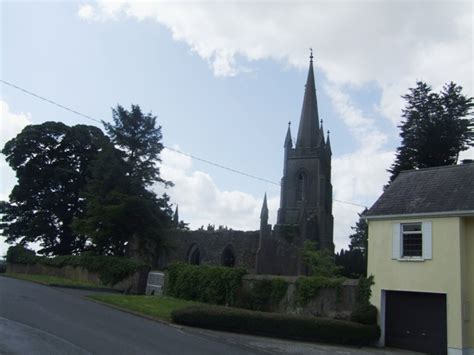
411 240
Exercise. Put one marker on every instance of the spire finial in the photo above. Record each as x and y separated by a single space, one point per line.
311 54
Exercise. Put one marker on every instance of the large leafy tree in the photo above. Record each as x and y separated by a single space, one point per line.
436 127
123 214
50 161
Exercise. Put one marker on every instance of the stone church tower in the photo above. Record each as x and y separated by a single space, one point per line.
306 190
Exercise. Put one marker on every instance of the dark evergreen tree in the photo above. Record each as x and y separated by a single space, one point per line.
353 263
359 239
50 161
123 215
435 128
137 135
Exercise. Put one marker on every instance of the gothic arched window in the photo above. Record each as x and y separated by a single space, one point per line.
194 257
300 186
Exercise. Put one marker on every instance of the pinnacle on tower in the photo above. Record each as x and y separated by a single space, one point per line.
288 141
264 212
176 217
328 143
309 121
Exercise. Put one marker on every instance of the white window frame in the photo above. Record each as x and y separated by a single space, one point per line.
397 242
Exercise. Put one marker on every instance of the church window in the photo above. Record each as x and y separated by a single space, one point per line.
194 257
300 186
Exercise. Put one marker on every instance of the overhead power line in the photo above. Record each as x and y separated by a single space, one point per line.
166 147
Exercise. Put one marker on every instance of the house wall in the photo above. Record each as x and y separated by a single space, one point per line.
467 262
441 274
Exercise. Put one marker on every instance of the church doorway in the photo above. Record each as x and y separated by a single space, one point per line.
228 258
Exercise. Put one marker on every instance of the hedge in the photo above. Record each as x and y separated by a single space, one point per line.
277 325
208 284
111 269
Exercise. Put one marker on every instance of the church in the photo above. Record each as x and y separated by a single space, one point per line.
305 211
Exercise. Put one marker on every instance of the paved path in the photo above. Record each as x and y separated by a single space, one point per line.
36 319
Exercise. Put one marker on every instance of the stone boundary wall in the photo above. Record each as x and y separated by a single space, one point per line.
135 284
326 303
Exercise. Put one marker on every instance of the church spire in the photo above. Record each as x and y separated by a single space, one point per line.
309 121
264 212
288 141
176 217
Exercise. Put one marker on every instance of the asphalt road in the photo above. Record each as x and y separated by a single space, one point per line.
36 319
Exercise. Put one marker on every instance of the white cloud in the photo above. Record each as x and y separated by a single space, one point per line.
10 125
202 202
357 42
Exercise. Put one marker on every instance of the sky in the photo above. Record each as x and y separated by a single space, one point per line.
225 78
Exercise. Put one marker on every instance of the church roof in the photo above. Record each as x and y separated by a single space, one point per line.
444 190
309 121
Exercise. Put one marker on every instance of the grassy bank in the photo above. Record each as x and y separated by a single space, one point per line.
157 307
51 280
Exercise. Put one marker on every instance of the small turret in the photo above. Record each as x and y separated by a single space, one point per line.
321 135
264 212
288 141
328 144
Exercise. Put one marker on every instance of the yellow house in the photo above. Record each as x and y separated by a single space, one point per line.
421 253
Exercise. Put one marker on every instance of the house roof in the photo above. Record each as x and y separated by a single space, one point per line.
440 190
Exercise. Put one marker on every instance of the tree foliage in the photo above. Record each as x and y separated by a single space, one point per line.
123 215
436 127
137 135
50 161
319 262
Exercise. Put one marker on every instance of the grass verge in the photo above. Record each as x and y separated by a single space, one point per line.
154 306
52 280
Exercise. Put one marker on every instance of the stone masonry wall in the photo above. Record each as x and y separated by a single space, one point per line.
135 284
211 245
326 303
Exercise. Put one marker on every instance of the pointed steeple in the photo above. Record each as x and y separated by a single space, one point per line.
309 121
264 212
288 141
176 217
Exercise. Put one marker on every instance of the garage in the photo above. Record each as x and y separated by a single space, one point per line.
416 321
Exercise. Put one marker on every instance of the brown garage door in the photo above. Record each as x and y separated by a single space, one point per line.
416 321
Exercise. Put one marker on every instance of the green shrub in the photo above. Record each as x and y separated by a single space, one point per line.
277 324
203 283
111 269
264 295
366 314
308 287
363 290
3 266
21 255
